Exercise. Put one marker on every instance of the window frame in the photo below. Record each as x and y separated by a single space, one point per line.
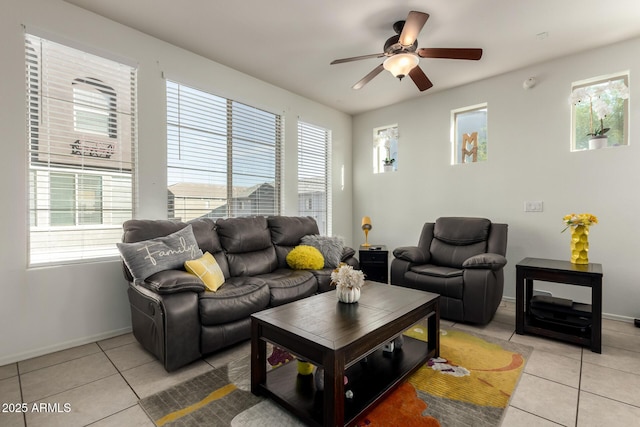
482 146
595 81
381 151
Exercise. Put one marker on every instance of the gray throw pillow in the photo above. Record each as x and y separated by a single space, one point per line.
330 248
163 253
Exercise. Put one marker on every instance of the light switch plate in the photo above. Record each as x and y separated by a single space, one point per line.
533 206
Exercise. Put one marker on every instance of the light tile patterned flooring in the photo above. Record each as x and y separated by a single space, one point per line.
563 385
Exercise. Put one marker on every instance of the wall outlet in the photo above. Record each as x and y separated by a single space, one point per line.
533 206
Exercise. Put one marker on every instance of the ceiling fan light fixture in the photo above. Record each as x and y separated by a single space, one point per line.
401 64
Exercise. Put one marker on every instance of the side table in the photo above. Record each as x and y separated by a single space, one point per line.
374 263
590 275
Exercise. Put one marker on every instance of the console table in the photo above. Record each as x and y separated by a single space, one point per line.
590 275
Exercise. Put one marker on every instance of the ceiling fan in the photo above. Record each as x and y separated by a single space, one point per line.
403 54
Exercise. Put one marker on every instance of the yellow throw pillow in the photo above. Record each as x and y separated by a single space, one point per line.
208 270
305 257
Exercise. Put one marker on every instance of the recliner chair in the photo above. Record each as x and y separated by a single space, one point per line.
461 259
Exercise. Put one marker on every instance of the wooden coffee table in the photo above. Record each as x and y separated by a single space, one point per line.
337 337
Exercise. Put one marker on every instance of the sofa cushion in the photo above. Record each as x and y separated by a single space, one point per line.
305 257
323 277
136 230
288 285
205 231
457 239
237 299
461 231
170 252
440 280
247 242
286 233
241 235
330 247
207 270
453 255
288 230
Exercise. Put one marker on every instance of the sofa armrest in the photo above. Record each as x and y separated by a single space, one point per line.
167 325
413 254
347 253
173 281
491 261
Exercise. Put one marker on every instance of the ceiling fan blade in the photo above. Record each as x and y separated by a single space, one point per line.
420 78
412 26
357 58
450 53
366 79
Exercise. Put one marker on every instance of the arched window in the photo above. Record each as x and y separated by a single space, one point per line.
94 107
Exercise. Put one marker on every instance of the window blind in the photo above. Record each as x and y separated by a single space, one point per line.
314 174
81 146
223 157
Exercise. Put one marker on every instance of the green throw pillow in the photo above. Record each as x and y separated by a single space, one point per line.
305 257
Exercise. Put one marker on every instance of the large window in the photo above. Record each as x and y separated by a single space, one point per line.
82 135
223 157
469 126
600 112
314 174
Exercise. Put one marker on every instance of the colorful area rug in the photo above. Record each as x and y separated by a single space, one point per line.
469 385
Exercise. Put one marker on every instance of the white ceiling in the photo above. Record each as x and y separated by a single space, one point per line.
290 43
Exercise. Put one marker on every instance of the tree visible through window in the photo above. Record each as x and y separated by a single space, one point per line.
469 134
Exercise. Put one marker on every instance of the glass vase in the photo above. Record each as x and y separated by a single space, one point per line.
580 244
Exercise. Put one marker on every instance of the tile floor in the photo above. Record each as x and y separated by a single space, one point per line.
101 383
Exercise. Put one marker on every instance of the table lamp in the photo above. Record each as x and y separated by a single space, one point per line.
366 226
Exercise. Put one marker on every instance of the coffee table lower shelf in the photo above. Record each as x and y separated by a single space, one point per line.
369 381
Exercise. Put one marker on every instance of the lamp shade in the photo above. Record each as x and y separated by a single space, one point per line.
366 223
401 64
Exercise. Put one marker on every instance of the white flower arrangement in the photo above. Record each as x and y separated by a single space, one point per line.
599 98
346 276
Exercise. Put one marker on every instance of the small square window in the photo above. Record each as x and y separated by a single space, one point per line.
469 143
600 112
385 149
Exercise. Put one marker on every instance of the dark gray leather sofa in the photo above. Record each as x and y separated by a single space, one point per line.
178 322
461 259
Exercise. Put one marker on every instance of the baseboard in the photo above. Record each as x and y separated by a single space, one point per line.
608 316
12 358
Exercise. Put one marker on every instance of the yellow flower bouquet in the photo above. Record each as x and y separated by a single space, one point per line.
573 220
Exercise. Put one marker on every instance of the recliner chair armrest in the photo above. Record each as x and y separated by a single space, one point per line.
491 261
413 254
173 281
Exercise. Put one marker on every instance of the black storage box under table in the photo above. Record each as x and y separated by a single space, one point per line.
561 312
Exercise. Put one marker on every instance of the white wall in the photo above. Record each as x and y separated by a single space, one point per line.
529 159
47 309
